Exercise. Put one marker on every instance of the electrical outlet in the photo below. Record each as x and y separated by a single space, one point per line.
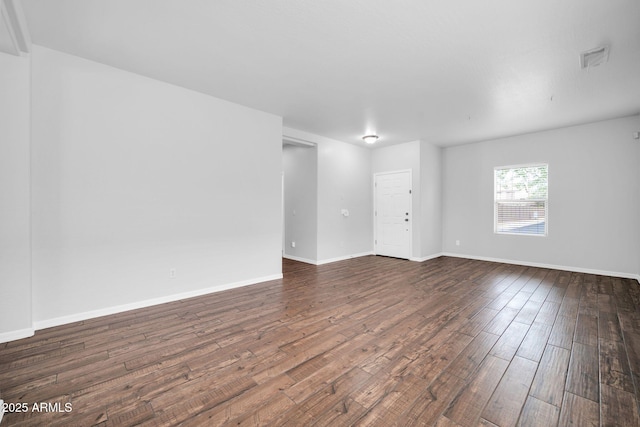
172 273
293 244
457 242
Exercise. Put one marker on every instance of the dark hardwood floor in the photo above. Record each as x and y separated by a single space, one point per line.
369 341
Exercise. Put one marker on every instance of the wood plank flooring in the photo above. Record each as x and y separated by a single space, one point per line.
372 341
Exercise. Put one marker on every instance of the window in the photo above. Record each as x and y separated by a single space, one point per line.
521 199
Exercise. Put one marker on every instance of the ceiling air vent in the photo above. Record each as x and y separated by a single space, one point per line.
594 57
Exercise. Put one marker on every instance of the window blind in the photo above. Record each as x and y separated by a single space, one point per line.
521 200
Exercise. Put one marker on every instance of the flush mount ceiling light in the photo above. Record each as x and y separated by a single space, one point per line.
594 57
370 139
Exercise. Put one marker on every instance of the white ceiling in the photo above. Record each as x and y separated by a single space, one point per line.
448 72
6 41
14 39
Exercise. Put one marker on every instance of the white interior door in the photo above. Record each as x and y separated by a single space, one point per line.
392 212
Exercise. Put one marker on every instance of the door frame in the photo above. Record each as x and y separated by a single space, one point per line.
375 211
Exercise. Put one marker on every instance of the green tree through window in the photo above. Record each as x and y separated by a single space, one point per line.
520 199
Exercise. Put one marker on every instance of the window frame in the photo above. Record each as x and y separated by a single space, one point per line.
546 201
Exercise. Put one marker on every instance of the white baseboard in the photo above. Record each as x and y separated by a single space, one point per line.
549 266
1 409
342 258
299 259
326 261
16 335
481 258
25 333
426 258
49 323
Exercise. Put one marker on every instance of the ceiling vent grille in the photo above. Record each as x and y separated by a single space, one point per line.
594 57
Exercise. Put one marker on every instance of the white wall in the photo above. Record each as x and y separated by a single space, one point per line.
593 198
15 251
430 200
404 157
344 182
637 141
133 177
300 165
425 161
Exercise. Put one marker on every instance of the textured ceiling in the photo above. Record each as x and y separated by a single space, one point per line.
447 72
